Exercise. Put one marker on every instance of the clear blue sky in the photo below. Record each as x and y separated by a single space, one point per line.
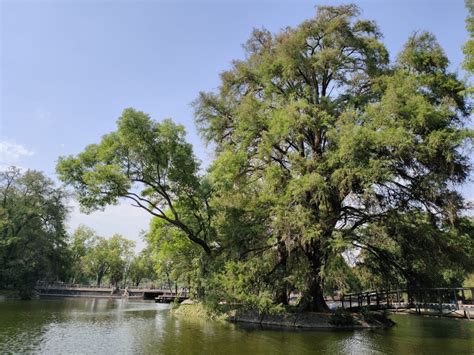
68 68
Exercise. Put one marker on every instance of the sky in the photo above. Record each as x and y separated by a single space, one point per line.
68 68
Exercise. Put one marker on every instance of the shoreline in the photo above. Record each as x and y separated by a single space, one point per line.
301 320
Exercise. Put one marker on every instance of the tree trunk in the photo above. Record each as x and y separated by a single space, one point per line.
203 275
313 297
281 296
99 279
281 293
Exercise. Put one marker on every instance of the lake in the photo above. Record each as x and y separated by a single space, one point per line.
103 326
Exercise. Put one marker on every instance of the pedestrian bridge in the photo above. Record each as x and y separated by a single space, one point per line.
455 302
76 290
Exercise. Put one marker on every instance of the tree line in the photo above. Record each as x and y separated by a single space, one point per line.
35 245
335 169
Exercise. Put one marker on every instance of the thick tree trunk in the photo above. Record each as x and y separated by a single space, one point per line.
313 297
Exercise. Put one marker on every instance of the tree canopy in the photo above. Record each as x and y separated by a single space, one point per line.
335 138
148 163
323 147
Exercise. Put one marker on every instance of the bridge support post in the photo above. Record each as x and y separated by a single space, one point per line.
440 302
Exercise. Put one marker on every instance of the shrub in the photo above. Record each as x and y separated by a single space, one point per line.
367 316
341 317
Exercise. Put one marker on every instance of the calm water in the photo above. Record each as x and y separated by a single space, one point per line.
101 326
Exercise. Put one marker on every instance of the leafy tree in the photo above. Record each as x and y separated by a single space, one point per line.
120 254
174 258
141 267
80 244
96 261
148 163
32 234
108 257
334 139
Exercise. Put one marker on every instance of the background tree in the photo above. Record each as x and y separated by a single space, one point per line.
120 254
80 245
141 268
32 234
96 261
334 138
108 258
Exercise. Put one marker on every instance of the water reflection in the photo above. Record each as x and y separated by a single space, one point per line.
106 326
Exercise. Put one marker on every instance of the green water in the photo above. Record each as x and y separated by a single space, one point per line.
101 326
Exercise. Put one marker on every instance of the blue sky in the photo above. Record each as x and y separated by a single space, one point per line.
68 68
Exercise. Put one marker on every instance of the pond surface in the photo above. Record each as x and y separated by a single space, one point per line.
102 326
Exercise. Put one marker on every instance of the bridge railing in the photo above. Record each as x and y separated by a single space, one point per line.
62 285
406 298
43 284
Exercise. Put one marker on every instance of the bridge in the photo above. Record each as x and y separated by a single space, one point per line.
159 294
455 302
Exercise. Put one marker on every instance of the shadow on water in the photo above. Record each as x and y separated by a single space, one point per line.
110 326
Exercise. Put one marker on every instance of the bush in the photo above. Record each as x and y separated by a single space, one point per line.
367 316
341 317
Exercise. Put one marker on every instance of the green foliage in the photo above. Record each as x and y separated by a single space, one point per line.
93 257
81 243
324 149
147 163
328 138
367 315
341 317
174 257
411 250
141 267
33 237
469 281
108 257
340 277
469 46
247 285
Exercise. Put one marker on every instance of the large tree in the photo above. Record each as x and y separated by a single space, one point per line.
336 138
32 233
